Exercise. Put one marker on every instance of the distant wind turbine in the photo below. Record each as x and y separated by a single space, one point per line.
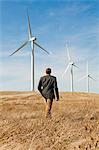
32 41
71 65
88 77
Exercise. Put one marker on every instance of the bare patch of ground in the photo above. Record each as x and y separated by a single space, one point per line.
74 124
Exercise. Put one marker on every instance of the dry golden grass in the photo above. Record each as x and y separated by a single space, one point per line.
74 124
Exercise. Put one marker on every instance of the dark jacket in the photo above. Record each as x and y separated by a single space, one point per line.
48 87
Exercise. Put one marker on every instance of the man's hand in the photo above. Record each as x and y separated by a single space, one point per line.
57 99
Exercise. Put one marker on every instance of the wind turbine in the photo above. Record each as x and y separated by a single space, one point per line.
32 41
88 77
71 65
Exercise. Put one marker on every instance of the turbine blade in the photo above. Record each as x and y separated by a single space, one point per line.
19 48
29 27
66 69
41 48
91 78
68 54
83 78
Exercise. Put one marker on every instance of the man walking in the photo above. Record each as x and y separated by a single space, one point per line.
48 88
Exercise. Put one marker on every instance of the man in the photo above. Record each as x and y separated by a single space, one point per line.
48 88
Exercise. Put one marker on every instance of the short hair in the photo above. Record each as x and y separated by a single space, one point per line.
48 71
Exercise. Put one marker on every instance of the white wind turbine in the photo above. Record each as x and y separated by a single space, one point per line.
88 77
32 41
71 65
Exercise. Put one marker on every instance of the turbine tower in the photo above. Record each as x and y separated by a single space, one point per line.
88 77
32 41
71 65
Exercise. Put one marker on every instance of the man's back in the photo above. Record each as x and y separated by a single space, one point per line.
48 87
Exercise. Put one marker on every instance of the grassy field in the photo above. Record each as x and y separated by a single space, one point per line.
74 124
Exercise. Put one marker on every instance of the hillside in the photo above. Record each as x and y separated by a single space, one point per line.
74 124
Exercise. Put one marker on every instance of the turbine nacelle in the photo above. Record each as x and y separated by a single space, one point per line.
89 76
71 63
33 39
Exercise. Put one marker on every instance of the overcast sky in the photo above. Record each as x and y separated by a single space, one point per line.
54 23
